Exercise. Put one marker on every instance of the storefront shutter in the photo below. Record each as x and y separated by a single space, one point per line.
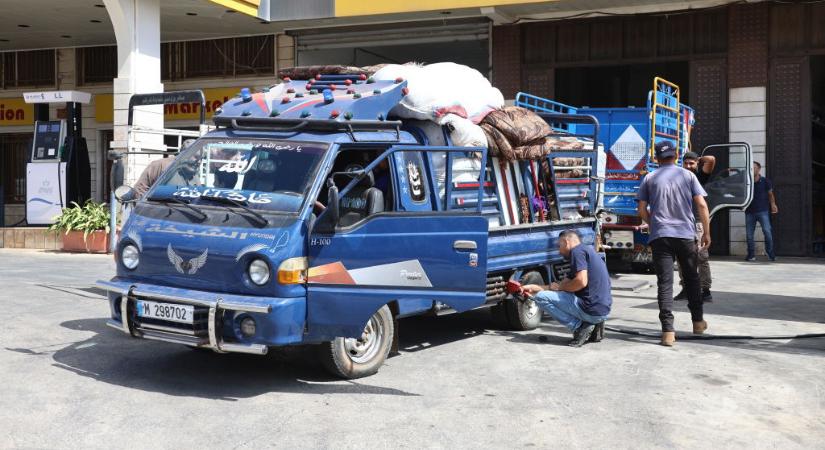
789 154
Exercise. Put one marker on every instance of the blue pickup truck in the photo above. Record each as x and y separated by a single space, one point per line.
309 215
628 136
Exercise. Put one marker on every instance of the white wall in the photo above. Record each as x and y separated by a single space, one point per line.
747 122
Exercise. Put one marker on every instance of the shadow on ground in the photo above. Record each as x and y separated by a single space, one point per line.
756 306
114 358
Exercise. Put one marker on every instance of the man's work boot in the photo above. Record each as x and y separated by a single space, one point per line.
700 327
598 333
582 334
706 296
682 295
668 338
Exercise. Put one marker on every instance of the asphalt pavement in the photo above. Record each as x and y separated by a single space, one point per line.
69 381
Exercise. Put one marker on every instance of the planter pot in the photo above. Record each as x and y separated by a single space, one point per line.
96 242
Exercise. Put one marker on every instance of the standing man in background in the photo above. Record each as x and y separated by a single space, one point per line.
154 170
672 192
702 167
760 209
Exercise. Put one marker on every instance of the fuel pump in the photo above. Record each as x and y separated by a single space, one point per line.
58 171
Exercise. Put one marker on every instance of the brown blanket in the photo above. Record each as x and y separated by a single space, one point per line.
515 133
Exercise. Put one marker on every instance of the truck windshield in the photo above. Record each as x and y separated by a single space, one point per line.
262 174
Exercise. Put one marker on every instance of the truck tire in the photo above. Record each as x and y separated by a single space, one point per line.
361 357
524 315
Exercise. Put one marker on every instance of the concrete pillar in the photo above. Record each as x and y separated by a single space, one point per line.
137 30
285 51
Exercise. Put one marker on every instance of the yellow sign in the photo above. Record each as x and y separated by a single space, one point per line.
15 111
104 106
249 7
345 8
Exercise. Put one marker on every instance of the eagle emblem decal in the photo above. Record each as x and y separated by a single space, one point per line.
183 266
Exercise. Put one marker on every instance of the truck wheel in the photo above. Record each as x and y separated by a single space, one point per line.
524 315
362 356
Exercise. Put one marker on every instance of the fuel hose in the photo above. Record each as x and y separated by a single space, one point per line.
725 337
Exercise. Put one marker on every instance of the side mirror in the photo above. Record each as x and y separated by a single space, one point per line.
125 194
329 218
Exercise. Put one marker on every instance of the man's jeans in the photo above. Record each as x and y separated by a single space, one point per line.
665 250
565 307
764 219
703 263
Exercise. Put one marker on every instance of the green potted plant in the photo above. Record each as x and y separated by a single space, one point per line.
86 227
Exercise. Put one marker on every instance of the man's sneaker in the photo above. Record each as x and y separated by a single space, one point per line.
706 296
772 258
582 334
681 296
598 333
750 258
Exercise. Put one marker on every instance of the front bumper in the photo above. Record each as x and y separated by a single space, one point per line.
281 320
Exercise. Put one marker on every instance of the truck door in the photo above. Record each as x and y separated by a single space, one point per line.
409 251
731 183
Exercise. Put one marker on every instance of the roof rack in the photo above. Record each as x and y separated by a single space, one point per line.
286 125
571 120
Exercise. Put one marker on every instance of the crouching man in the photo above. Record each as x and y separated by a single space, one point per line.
581 302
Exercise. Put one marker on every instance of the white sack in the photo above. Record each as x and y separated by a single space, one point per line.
442 88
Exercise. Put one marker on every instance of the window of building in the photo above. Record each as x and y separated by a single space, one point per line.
254 55
96 64
28 69
14 150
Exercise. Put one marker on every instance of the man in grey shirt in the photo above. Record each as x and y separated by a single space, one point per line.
671 193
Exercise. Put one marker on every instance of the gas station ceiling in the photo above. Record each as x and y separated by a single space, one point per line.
35 24
77 23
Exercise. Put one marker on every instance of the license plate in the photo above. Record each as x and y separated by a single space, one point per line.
619 239
166 311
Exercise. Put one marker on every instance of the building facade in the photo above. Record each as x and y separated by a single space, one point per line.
753 73
220 67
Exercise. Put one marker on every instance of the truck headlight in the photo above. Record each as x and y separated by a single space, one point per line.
259 272
130 257
293 271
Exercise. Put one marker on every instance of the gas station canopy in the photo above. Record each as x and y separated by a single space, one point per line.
57 97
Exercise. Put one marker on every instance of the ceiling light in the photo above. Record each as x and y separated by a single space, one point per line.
98 5
4 40
23 26
94 21
191 14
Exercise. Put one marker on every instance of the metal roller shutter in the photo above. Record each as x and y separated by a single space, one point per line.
789 155
708 96
397 34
